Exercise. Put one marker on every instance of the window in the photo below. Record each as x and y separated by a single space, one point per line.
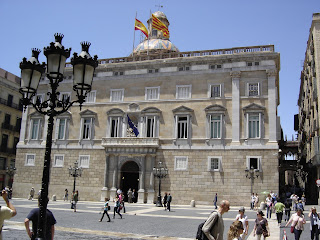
87 128
253 125
91 97
154 32
254 162
118 73
58 160
38 98
152 93
18 123
215 125
4 142
253 89
3 162
151 126
116 95
115 127
182 127
187 68
7 118
62 126
35 129
65 96
183 92
10 98
84 161
180 163
30 159
215 90
214 163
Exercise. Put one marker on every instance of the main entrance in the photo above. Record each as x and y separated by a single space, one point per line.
129 178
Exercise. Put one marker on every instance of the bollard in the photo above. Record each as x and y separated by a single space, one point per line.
54 198
193 203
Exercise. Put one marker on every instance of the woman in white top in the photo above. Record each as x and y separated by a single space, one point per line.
314 220
297 221
244 219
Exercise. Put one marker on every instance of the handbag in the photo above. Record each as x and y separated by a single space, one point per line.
292 229
108 207
265 233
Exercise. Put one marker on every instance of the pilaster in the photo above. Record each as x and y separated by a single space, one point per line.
272 105
235 76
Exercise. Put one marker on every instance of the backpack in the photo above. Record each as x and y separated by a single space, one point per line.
200 235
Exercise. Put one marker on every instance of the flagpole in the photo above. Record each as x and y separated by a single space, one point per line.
149 34
134 33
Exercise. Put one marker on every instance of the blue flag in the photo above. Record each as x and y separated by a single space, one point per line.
134 129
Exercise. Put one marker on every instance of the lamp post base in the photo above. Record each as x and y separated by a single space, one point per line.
159 204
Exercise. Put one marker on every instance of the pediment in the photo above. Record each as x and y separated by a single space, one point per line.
87 112
133 107
151 110
115 111
182 109
65 114
215 108
35 114
253 107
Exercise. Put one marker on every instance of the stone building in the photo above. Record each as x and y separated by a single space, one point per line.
207 115
10 119
308 117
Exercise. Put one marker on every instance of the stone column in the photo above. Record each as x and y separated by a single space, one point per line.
104 190
142 174
23 130
272 104
114 176
151 181
235 107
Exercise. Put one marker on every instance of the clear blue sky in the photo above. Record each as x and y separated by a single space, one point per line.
194 25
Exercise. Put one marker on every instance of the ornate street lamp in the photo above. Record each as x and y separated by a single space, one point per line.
160 172
252 174
10 171
75 172
31 71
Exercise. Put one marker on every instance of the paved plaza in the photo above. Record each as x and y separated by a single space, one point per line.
141 221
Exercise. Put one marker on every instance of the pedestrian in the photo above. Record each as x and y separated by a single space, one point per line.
303 199
10 193
269 204
75 199
117 208
245 223
31 194
6 212
105 210
297 221
66 194
300 205
169 199
279 211
314 221
215 201
287 210
164 200
129 195
261 228
235 231
253 199
121 198
134 200
213 228
256 202
33 216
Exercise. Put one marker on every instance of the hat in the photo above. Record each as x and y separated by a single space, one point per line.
313 208
261 213
242 209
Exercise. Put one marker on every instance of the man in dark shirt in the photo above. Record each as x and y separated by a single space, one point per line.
33 216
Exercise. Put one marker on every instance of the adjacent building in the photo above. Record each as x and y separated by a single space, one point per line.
10 119
307 121
207 115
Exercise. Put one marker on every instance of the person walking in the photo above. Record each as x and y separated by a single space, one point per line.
287 210
253 199
164 200
297 221
116 208
134 195
75 199
215 201
33 216
256 202
235 231
129 193
121 199
169 199
269 204
31 194
245 223
261 228
106 208
66 195
6 212
214 226
314 221
279 211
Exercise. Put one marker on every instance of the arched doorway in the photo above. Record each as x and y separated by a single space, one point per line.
129 178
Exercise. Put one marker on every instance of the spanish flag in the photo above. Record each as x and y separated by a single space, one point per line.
140 26
157 24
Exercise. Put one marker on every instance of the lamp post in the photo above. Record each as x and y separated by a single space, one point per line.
252 174
75 172
10 171
160 172
31 71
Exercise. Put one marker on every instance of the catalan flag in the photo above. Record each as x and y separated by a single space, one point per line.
140 26
157 24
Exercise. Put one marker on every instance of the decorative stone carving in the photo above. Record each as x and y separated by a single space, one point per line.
271 72
235 74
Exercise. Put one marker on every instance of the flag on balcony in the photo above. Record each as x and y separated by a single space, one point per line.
132 126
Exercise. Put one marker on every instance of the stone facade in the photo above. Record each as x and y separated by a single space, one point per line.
207 115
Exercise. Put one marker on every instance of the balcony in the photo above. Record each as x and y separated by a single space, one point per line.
13 105
130 142
7 126
5 149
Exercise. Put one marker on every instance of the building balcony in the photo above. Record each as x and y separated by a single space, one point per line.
130 142
5 149
7 126
10 104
